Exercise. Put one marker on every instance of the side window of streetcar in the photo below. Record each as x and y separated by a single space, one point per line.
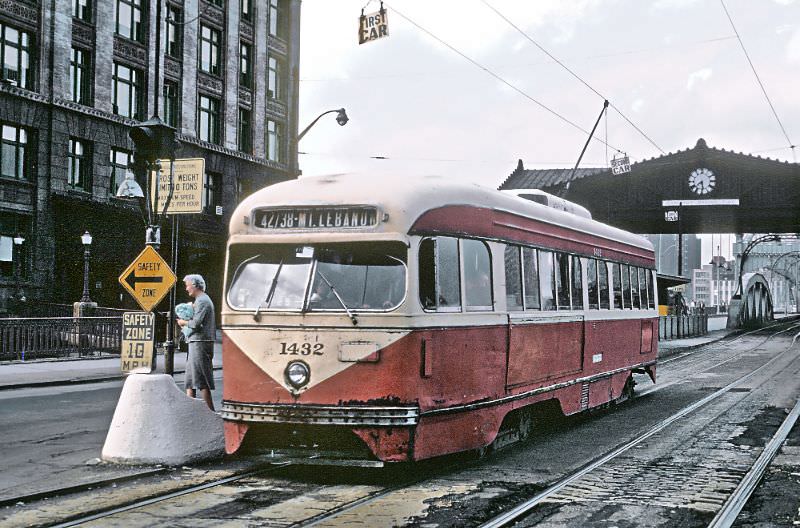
617 276
635 287
643 287
477 275
562 281
602 275
513 278
547 285
530 268
577 284
651 299
439 283
626 286
591 283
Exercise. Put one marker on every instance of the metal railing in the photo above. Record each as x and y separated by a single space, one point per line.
682 326
59 337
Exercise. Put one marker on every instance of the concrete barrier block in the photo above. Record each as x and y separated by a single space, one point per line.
157 423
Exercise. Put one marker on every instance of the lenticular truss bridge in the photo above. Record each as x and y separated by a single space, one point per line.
277 497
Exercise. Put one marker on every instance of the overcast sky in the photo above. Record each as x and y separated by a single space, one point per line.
673 67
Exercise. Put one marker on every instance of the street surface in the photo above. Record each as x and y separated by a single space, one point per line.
678 477
51 433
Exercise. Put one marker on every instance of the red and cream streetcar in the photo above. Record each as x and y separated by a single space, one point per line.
398 320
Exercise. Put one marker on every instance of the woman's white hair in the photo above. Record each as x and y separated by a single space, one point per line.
197 280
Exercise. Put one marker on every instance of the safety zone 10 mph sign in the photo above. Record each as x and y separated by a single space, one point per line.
138 340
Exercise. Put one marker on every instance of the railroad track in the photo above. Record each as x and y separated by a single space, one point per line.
732 506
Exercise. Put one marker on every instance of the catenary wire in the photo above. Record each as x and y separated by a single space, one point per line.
578 77
499 78
758 79
440 72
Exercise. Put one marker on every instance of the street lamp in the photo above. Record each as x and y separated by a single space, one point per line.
341 118
18 240
86 240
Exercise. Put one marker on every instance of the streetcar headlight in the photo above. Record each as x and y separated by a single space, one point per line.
297 374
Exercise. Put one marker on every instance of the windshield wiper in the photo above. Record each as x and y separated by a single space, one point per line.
350 314
270 294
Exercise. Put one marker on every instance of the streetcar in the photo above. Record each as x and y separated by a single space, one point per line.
395 320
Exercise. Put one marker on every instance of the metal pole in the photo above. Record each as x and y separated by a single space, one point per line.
680 240
85 297
169 353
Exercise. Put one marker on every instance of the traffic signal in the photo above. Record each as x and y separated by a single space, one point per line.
153 139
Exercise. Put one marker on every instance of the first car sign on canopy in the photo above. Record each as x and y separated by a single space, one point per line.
148 278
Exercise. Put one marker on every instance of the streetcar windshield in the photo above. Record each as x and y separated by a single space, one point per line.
322 277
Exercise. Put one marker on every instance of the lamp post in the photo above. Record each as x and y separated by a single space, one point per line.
341 118
18 241
86 240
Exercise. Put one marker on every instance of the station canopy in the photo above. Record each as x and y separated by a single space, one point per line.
697 190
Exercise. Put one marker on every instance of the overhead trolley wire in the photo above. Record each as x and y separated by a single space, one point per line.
501 79
521 32
758 79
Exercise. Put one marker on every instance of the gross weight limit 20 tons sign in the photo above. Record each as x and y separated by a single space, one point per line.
187 186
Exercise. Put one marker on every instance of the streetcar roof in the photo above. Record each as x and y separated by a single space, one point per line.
406 199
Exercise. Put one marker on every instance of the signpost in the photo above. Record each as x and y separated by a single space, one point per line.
138 337
373 26
187 193
148 278
671 216
621 165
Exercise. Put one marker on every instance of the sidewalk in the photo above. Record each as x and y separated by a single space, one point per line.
20 375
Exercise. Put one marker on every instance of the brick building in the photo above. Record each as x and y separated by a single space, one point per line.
76 74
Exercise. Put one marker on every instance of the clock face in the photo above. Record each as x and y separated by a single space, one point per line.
702 181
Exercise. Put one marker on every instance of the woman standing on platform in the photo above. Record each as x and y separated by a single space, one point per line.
199 371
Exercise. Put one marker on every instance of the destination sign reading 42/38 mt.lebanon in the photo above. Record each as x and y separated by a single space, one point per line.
315 217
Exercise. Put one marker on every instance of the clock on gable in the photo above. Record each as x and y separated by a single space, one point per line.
702 181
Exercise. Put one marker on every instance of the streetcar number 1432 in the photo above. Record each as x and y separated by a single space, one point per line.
301 349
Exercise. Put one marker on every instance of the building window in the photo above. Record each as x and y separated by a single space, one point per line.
16 57
274 141
120 168
78 166
218 3
209 49
13 153
245 65
247 10
174 32
172 103
209 124
245 131
274 79
212 192
80 77
82 9
128 17
127 91
277 22
11 226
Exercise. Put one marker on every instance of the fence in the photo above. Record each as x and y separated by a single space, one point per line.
59 337
682 326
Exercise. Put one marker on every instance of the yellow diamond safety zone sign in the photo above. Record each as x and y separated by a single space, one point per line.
148 278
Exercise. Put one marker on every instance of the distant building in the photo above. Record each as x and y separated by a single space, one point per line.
713 284
76 74
666 250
